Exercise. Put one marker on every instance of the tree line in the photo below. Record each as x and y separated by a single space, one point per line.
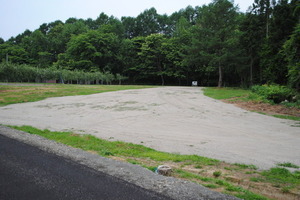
26 73
214 44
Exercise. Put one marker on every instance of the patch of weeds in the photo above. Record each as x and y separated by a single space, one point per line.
247 195
232 188
243 166
288 164
256 179
286 189
250 172
133 161
188 175
282 176
228 168
187 163
222 182
217 174
107 153
212 186
244 194
198 166
296 125
287 117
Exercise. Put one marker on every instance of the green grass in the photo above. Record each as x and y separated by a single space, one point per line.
216 183
288 164
280 175
287 117
225 93
243 166
116 148
234 94
283 178
11 94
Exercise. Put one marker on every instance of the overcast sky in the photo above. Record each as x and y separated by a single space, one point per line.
18 15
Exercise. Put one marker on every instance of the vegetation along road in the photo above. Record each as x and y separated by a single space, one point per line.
172 119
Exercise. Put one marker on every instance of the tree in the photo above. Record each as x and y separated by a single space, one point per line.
251 40
153 56
214 37
91 49
13 54
35 43
291 50
147 22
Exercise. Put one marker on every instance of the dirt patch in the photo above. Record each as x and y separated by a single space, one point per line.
246 178
265 108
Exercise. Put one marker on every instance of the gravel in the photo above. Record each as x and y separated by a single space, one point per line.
171 119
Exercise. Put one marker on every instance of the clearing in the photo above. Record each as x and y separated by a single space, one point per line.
171 119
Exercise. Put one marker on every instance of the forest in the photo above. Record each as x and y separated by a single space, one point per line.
215 44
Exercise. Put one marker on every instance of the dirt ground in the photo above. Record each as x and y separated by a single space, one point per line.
265 108
172 119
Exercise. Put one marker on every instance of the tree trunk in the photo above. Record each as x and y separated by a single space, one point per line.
251 71
220 75
162 80
160 71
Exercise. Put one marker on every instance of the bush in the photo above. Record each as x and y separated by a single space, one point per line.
274 93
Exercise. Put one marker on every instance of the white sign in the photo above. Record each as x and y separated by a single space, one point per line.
195 83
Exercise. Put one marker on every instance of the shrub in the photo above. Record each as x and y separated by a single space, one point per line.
275 93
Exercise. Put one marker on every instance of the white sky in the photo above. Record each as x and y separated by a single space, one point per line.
18 15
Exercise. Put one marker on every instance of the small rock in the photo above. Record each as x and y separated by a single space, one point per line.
164 170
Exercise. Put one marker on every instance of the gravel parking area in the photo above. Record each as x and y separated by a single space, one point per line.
172 119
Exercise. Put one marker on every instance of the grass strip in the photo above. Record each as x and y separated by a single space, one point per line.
114 148
235 94
11 94
225 93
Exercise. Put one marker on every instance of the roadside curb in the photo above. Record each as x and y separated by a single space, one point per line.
167 186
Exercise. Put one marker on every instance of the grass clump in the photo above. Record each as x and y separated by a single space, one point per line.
217 174
244 166
282 176
288 164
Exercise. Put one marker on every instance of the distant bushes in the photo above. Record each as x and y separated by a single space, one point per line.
275 93
26 73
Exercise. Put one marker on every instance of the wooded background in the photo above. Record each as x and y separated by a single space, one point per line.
214 44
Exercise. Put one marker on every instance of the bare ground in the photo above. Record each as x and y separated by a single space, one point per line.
172 119
265 108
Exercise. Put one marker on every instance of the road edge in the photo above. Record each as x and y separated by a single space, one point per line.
144 178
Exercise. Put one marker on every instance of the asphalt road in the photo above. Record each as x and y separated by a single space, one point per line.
27 172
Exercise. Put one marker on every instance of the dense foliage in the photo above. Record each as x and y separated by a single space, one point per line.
275 93
214 44
26 73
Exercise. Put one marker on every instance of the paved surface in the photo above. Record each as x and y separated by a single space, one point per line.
27 172
168 117
32 167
